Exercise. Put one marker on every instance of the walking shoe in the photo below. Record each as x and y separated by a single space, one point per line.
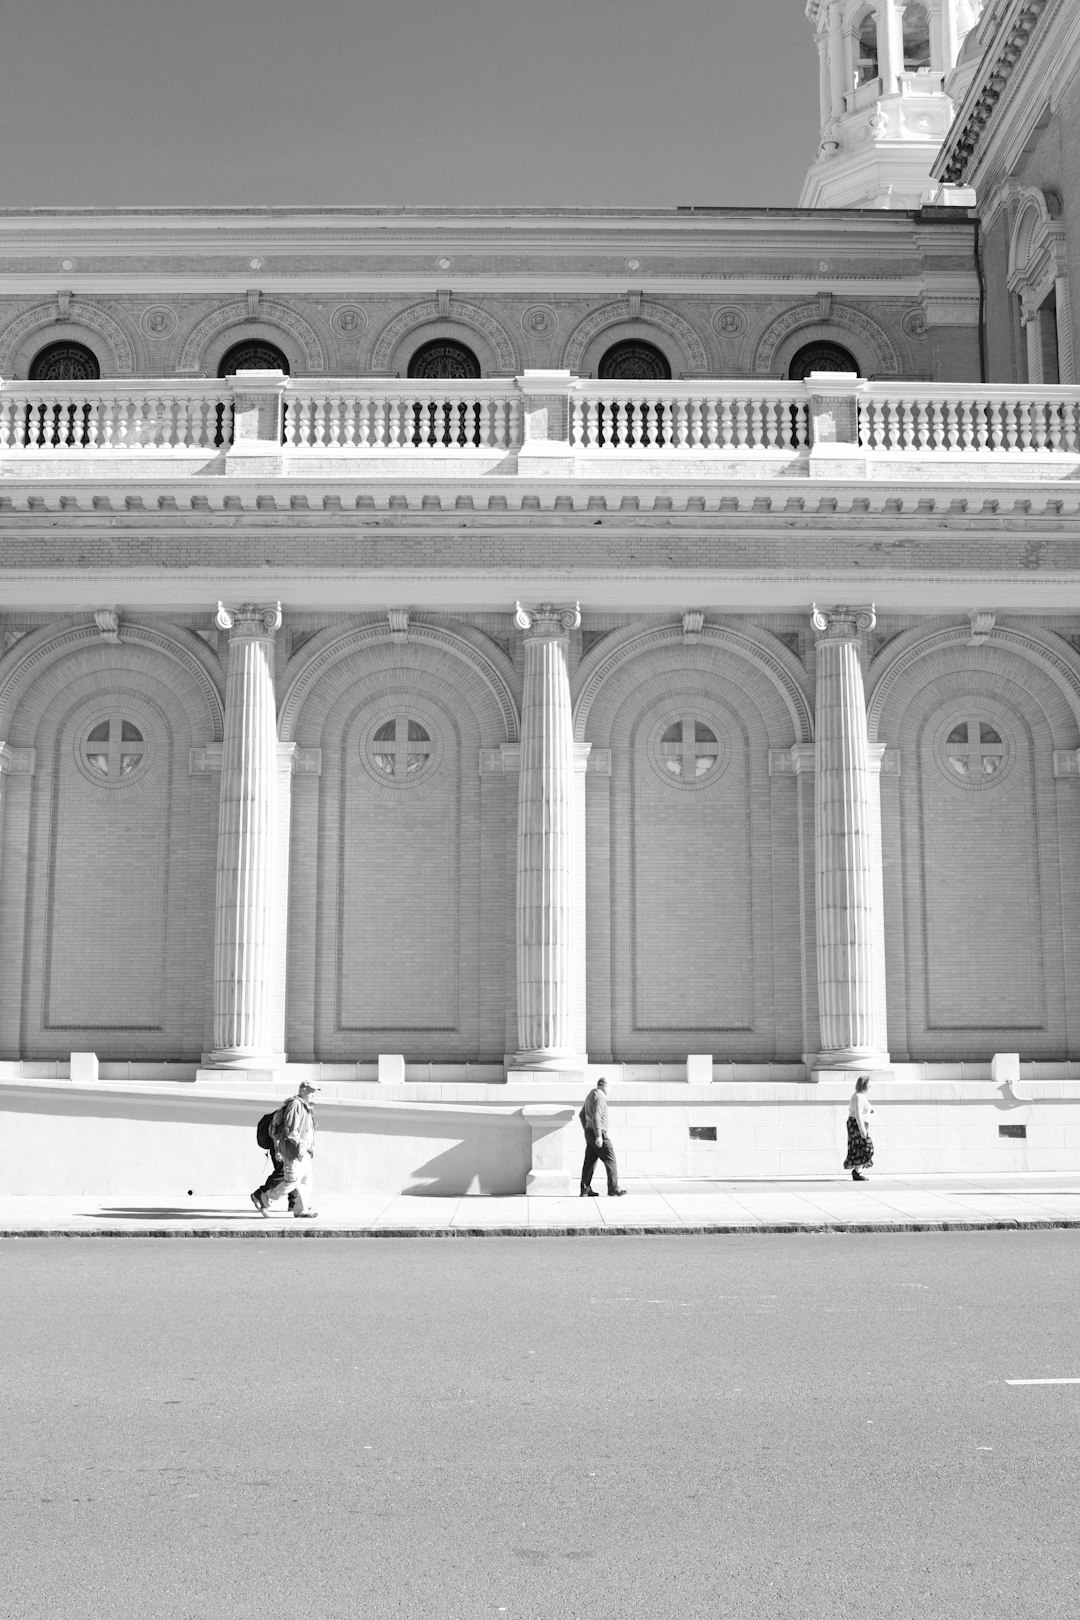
620 1192
259 1200
589 1192
305 1214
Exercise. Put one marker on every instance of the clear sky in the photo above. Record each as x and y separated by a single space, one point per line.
621 103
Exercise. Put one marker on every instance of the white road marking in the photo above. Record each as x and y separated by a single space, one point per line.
1042 1380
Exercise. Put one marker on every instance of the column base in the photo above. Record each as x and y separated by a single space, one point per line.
547 1060
243 1057
847 1058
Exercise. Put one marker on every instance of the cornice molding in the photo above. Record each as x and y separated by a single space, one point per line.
993 88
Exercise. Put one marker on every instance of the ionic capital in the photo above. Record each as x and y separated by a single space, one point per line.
842 623
547 622
248 621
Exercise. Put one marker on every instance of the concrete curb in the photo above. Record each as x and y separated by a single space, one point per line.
719 1229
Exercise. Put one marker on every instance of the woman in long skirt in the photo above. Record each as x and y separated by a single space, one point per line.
860 1147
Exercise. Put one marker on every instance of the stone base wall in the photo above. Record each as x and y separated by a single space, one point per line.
177 1142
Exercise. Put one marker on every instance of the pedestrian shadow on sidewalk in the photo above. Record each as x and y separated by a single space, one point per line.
182 1212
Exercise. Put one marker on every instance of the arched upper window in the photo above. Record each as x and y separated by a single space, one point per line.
865 48
64 362
252 355
821 357
443 358
916 38
634 360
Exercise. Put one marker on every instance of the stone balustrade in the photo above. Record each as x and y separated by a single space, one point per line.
830 426
81 418
393 415
724 416
941 417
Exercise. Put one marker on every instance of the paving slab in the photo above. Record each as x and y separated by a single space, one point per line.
664 1205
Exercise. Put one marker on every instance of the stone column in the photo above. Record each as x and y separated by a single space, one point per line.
245 936
837 58
1066 364
546 934
847 842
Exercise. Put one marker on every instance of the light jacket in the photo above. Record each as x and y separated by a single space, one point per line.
294 1118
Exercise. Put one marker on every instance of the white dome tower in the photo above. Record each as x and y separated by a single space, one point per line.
884 108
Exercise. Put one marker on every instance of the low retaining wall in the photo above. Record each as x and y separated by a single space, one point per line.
170 1139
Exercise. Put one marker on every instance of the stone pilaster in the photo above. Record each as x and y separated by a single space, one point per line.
847 841
547 936
245 932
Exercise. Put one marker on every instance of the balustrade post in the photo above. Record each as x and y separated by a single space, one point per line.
833 412
549 956
545 449
247 1033
847 840
256 448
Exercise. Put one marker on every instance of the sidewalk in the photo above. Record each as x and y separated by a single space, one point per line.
913 1203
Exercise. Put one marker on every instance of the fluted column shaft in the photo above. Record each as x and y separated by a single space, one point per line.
244 929
847 851
546 984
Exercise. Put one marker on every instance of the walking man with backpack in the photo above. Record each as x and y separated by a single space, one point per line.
292 1147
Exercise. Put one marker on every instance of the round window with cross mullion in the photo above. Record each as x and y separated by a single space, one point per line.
973 748
689 750
113 751
401 750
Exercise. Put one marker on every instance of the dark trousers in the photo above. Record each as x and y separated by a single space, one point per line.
275 1181
604 1152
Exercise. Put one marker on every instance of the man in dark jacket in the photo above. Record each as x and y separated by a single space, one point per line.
594 1122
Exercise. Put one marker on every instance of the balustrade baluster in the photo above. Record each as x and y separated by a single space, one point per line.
739 436
677 412
1069 427
712 421
363 421
1052 426
757 437
593 409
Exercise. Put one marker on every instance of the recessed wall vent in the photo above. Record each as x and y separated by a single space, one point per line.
1018 1131
703 1133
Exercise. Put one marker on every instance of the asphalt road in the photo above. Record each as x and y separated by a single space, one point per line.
550 1429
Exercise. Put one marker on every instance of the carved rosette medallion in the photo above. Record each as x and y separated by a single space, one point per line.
159 321
539 320
349 319
729 322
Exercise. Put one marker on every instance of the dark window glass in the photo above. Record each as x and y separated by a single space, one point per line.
916 38
634 361
821 357
866 50
444 359
252 356
64 362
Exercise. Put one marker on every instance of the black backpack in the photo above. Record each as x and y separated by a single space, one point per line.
262 1133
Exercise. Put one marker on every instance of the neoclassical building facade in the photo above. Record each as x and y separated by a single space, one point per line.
512 642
